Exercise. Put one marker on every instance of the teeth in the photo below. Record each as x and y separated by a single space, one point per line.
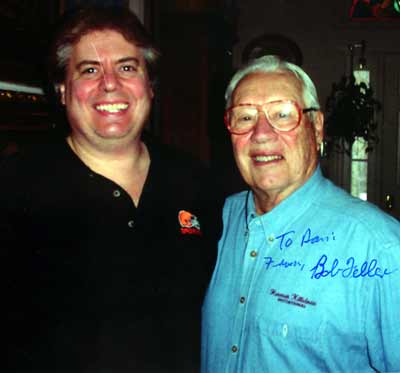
267 158
112 108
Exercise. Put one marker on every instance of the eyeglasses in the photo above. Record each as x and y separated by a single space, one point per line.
282 115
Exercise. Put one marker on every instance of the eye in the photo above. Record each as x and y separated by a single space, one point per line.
89 70
128 68
244 115
282 112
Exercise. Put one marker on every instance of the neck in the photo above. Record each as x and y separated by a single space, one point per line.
127 166
265 202
113 156
105 151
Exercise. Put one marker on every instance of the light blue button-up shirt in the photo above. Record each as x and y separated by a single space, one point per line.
311 286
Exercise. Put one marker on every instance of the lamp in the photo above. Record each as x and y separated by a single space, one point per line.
360 70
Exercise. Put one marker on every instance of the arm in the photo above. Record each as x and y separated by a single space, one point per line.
383 314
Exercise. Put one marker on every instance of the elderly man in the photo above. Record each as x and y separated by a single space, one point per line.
307 277
106 235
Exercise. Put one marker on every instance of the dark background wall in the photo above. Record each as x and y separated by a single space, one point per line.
323 31
203 42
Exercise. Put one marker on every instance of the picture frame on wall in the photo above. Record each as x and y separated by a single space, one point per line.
374 10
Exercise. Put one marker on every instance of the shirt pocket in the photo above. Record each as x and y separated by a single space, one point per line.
295 343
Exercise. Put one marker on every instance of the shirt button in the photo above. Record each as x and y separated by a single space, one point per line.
234 348
116 193
131 223
271 238
242 300
285 330
91 174
253 254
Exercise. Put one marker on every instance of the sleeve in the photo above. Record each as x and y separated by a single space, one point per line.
12 261
211 204
383 313
7 237
8 233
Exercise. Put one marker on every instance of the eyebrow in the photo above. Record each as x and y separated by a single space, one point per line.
97 63
129 59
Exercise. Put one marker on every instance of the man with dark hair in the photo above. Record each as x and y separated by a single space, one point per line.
106 236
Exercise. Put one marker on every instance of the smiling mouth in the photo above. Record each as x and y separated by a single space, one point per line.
267 158
111 108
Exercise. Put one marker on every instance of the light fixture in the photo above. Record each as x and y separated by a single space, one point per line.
360 70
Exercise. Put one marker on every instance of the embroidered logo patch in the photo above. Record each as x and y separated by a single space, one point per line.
189 223
292 299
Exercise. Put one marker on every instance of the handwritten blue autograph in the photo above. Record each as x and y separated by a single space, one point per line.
348 269
269 262
286 239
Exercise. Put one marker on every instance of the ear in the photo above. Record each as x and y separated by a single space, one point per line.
319 127
61 91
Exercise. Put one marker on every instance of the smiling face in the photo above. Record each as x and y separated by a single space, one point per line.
106 92
274 164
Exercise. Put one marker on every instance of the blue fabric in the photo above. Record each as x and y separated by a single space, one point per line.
314 286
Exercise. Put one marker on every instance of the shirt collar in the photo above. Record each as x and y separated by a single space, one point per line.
300 200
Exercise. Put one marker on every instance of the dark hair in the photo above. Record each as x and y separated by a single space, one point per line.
85 20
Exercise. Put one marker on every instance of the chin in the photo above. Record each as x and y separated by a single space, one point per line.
113 132
268 184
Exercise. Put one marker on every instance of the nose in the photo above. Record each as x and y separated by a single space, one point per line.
263 130
110 81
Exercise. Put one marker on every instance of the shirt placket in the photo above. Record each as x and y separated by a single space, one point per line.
253 244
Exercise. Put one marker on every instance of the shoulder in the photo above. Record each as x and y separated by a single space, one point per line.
37 154
177 169
345 209
237 199
14 167
173 157
235 204
30 165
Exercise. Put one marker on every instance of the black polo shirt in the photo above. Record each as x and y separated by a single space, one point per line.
91 280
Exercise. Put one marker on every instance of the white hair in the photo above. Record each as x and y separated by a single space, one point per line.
269 64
